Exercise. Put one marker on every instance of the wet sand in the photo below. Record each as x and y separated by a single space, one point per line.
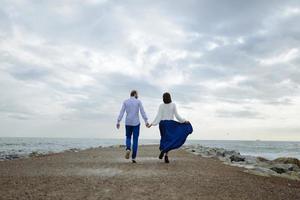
103 173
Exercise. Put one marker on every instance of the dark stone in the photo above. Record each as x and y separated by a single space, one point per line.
262 159
283 168
287 160
11 157
278 170
35 154
221 154
237 158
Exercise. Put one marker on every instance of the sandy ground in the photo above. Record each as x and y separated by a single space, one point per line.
103 173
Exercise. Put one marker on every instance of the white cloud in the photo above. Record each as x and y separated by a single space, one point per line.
285 57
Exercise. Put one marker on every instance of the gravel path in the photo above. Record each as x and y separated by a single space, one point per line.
103 173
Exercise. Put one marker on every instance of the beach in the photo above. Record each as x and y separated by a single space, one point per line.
104 173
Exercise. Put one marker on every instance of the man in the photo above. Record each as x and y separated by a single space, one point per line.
132 106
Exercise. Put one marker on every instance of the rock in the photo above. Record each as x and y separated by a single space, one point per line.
287 160
35 154
278 170
250 160
230 153
294 175
237 158
74 150
262 159
282 168
11 157
261 171
221 153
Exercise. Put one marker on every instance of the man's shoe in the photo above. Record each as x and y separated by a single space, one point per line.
133 161
127 155
167 159
161 155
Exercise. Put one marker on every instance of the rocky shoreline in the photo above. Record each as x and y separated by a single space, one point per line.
285 167
4 157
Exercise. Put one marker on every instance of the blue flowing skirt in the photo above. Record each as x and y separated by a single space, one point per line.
173 134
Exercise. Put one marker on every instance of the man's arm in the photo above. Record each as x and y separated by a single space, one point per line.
143 113
122 111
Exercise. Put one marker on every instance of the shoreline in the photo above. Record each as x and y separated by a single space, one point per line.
11 148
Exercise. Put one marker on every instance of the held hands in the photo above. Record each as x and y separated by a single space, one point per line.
148 125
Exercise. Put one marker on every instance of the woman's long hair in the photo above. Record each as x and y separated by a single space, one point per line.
167 98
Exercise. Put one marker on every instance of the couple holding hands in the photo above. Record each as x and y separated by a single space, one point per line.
173 134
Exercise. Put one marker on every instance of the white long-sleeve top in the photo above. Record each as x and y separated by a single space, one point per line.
167 112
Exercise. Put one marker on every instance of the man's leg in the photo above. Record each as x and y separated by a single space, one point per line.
128 140
136 133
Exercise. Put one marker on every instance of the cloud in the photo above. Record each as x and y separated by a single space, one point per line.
238 114
77 61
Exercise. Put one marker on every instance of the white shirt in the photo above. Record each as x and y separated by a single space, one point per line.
167 112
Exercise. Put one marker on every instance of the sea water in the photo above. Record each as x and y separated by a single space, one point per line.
24 146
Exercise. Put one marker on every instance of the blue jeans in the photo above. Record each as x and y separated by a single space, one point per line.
135 131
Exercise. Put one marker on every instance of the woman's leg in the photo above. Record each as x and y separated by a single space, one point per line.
161 155
166 157
162 139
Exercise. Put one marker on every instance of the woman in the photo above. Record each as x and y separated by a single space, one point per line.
173 134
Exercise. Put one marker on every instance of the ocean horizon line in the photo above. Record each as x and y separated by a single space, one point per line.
255 140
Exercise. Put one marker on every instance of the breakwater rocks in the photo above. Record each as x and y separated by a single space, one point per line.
282 167
12 156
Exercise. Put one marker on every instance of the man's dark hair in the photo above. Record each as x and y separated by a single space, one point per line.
167 98
133 93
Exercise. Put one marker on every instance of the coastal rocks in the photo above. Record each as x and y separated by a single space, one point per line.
293 175
214 152
72 150
261 171
287 160
35 154
261 159
11 157
237 158
282 167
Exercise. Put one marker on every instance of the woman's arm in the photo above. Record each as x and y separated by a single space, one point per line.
158 117
178 117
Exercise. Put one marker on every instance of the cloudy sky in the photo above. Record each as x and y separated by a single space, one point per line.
233 67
